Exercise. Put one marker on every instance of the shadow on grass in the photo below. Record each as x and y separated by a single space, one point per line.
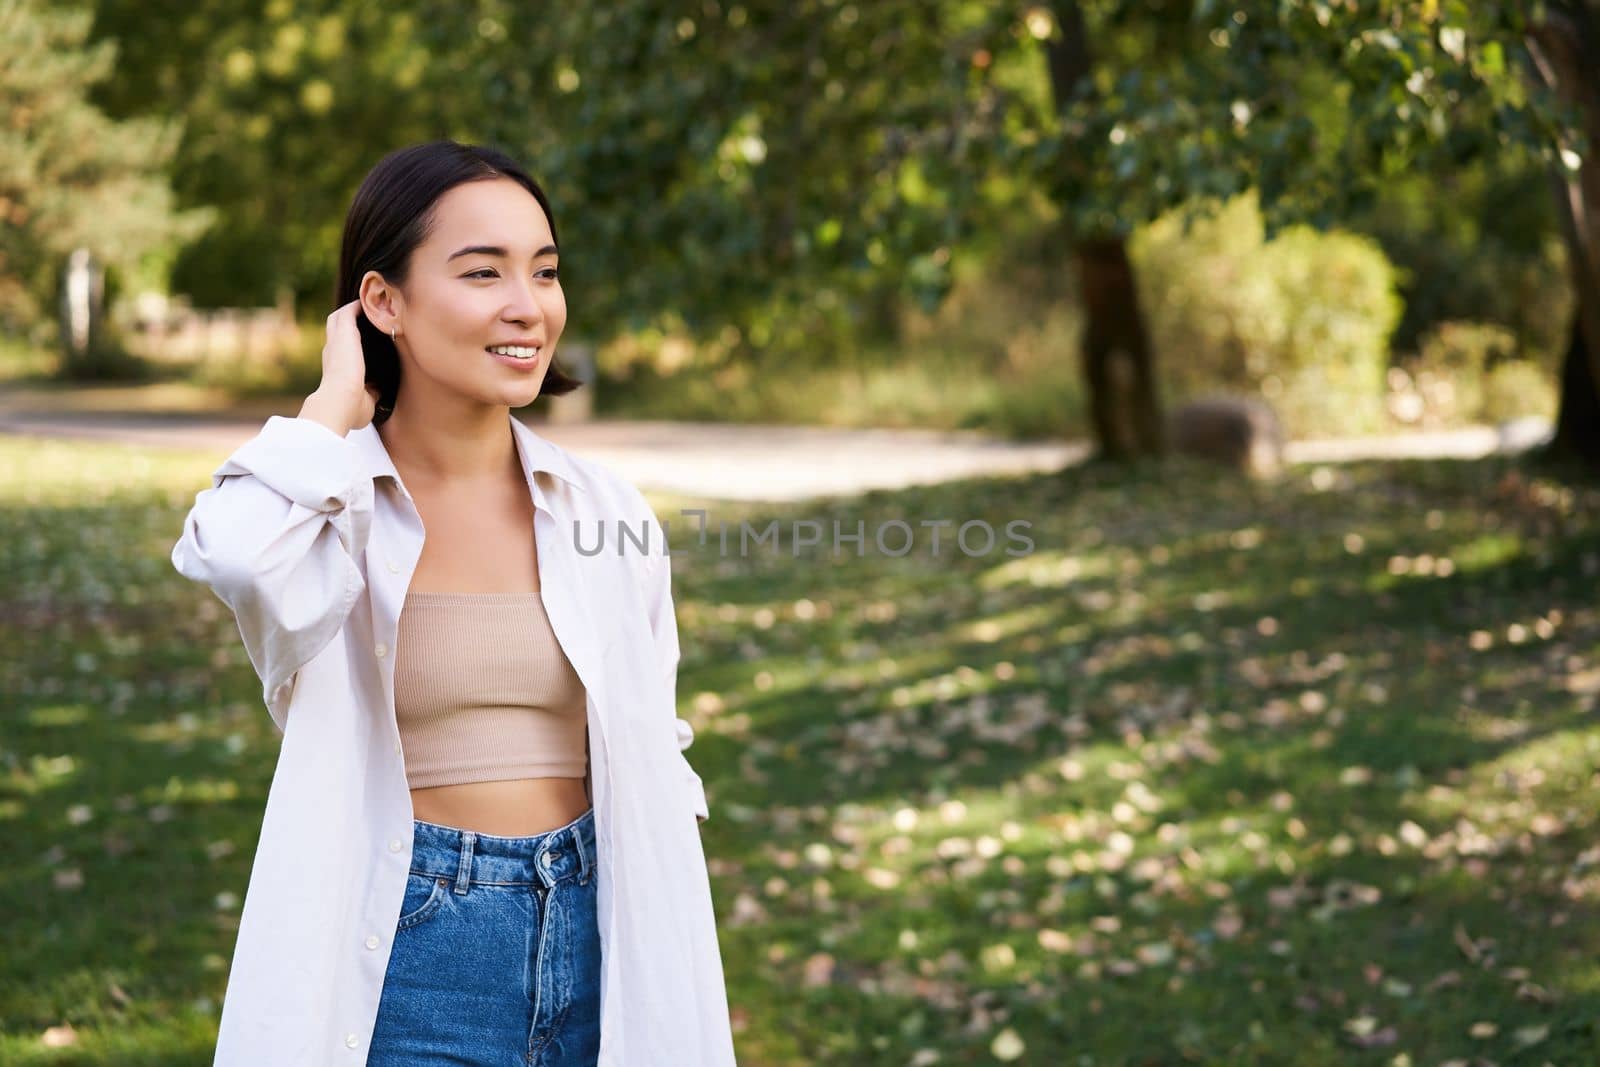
1361 674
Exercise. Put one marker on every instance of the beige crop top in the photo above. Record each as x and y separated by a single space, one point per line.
484 692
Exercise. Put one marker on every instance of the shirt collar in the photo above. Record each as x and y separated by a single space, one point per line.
536 453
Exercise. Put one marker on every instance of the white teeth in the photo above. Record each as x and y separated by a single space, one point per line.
515 351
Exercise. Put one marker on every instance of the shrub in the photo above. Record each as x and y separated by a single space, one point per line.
1468 372
1303 320
1516 388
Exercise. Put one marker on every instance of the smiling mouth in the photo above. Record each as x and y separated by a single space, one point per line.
519 352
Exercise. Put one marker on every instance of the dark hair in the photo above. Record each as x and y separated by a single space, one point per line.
391 215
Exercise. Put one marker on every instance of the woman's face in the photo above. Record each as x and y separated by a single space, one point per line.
485 276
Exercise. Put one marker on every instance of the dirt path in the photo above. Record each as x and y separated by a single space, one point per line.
722 460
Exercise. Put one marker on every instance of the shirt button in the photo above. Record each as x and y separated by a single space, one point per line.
381 649
394 846
397 748
394 568
372 940
351 1041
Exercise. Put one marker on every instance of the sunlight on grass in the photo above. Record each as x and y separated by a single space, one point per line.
1006 624
58 715
1038 570
40 773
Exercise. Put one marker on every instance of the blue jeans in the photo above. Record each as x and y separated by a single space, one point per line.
496 957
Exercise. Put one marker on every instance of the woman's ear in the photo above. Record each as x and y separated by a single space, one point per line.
380 302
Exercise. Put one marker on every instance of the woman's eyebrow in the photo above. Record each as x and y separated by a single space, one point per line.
496 250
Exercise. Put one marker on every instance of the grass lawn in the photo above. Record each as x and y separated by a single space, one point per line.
1217 774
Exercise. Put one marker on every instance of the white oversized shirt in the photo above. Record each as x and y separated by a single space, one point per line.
311 540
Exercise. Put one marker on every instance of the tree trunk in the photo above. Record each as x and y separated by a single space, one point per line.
1565 54
1117 362
1116 353
1577 433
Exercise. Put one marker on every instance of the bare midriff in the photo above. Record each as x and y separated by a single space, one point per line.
518 807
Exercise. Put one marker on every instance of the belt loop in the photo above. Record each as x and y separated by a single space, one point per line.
464 867
583 855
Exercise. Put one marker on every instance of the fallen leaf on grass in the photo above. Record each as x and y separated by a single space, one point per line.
1526 1036
1469 948
1536 993
1007 1045
1447 980
818 970
63 1036
1363 1032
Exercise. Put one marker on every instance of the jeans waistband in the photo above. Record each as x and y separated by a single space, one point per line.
467 857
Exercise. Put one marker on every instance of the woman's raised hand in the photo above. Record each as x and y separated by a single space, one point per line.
343 401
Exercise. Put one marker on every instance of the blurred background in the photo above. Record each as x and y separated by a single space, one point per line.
1278 319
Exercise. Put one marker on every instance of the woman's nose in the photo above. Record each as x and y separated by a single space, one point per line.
526 307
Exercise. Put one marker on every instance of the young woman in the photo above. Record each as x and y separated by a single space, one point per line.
482 842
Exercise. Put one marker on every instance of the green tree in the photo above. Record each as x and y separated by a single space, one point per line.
1315 104
1563 47
810 149
287 104
765 167
70 177
774 169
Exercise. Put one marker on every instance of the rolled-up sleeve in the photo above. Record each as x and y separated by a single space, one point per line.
277 537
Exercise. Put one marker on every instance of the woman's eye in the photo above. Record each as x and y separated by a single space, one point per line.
488 272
